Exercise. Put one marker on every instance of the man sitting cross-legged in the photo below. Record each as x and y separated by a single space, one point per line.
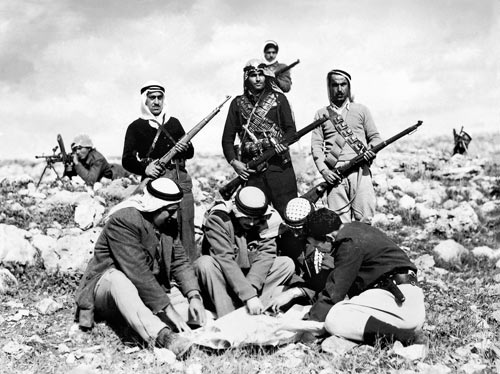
239 265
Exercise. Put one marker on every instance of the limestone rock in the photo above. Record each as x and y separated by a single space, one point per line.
407 202
65 197
48 306
490 211
450 251
88 214
386 220
337 346
424 212
485 251
14 247
424 262
8 282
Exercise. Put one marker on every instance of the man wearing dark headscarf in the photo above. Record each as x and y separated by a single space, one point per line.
261 118
149 138
283 81
334 144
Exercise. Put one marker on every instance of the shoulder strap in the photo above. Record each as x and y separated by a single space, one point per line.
345 131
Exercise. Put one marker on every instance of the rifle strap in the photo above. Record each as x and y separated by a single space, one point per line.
161 128
345 131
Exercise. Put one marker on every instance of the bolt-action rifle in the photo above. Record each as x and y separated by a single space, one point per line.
62 156
285 68
164 160
315 193
230 188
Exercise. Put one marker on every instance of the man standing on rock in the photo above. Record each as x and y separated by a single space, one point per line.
334 144
261 118
361 262
283 82
148 139
135 257
239 265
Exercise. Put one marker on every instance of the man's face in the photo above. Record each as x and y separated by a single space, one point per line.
166 216
154 101
248 223
257 80
81 152
270 54
339 89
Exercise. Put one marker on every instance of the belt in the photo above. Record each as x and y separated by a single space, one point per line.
390 283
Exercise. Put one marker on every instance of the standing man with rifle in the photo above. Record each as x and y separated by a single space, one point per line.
261 118
336 142
283 81
149 138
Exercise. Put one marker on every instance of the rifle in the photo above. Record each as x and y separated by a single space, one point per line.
165 159
315 193
50 160
285 68
230 188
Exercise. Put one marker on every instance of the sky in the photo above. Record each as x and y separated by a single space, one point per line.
70 67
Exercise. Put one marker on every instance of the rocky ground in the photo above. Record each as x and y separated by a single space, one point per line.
444 211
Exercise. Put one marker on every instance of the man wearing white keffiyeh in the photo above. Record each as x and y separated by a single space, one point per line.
149 138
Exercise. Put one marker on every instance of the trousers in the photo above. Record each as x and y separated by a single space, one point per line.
116 297
223 299
348 318
357 187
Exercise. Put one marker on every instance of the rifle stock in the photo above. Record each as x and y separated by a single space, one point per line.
230 188
315 193
164 160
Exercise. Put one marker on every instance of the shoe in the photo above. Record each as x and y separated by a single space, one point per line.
172 341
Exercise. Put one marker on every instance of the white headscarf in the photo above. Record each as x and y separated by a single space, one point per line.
146 202
163 117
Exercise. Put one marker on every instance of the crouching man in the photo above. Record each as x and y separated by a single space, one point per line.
385 300
239 265
136 255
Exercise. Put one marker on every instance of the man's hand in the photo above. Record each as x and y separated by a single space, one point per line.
280 148
153 170
284 298
254 306
331 176
197 311
76 161
241 169
176 319
369 156
328 263
181 147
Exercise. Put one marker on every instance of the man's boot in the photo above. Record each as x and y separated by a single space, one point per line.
179 345
376 329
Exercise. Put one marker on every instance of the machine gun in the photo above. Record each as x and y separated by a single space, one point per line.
315 193
62 156
230 188
164 160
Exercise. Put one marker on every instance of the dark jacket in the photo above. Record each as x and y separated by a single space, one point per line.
130 244
280 114
93 168
362 255
138 140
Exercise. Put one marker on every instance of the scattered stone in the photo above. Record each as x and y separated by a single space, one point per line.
14 348
450 251
88 213
424 368
14 304
20 314
131 350
8 282
164 356
497 265
34 339
490 211
424 262
424 212
407 202
14 247
63 348
82 369
48 306
473 368
485 251
412 352
494 290
195 368
337 346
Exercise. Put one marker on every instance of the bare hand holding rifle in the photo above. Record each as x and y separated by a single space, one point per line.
334 177
156 168
230 188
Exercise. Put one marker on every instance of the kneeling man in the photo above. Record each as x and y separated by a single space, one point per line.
136 255
239 265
